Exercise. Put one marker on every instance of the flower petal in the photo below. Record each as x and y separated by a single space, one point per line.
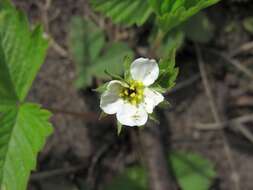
151 99
131 115
145 70
110 101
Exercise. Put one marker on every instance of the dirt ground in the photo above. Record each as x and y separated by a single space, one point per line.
79 151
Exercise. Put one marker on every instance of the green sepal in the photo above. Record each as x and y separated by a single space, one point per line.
153 117
114 76
119 128
168 72
158 88
164 104
102 115
127 64
102 88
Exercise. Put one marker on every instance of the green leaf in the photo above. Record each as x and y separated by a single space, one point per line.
128 12
168 72
172 13
92 55
23 127
86 43
7 92
156 5
23 51
173 40
6 5
133 178
248 24
101 88
23 132
85 38
111 60
199 28
192 171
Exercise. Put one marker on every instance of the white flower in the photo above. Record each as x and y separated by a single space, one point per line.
133 100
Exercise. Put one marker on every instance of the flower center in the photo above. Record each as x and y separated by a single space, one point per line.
133 93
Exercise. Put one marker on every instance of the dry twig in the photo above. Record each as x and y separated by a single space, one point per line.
57 172
235 176
244 131
233 62
155 159
217 126
185 83
244 48
94 162
238 65
46 22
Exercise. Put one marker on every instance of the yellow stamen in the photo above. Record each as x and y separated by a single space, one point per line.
139 84
132 95
133 101
139 97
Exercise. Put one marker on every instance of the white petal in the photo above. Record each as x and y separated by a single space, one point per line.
110 101
151 99
131 115
145 70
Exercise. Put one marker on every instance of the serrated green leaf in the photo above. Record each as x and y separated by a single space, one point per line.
86 43
24 49
7 91
126 12
6 5
172 13
111 60
173 40
23 127
156 5
86 40
168 72
23 131
192 171
92 56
